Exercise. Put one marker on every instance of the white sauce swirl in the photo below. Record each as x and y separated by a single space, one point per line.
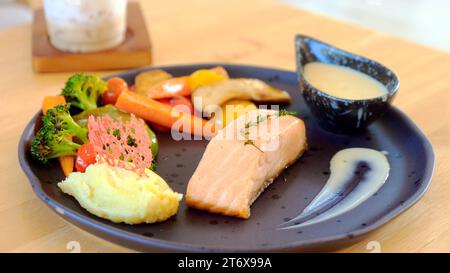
343 166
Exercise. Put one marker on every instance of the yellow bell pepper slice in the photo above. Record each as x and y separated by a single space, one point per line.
234 109
204 77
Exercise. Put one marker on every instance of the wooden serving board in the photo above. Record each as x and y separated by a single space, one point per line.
133 52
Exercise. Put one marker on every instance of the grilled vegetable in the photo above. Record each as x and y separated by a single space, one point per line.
66 162
59 121
46 146
114 113
83 91
204 77
162 114
115 87
54 139
144 81
233 109
209 98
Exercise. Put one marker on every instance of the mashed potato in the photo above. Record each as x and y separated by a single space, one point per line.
120 195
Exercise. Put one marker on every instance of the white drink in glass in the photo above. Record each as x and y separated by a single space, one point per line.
85 25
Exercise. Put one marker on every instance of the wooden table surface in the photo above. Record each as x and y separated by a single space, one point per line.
248 32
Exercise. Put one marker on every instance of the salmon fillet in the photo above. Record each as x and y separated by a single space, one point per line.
235 170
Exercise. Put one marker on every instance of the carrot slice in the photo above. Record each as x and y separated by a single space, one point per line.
67 162
180 86
170 88
165 115
52 101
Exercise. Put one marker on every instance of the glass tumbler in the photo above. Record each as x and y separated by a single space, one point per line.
85 25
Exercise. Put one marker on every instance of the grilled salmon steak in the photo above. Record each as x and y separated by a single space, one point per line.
243 159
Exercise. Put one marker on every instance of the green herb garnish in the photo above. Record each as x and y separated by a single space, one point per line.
260 118
250 142
286 113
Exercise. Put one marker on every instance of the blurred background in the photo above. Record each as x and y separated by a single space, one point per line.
422 21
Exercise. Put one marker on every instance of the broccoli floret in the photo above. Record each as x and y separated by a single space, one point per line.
83 91
58 121
52 140
46 145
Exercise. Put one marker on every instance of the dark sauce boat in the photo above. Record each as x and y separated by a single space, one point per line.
338 115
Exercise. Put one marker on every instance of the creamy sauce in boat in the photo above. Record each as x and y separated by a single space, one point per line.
342 192
343 82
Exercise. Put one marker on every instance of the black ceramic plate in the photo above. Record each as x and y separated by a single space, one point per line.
410 155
